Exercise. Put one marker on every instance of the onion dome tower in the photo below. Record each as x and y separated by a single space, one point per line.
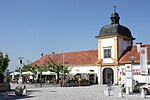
114 37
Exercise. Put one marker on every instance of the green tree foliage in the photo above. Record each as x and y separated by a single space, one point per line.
27 67
4 62
57 68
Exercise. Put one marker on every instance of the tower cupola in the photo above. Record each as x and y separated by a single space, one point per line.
115 28
114 17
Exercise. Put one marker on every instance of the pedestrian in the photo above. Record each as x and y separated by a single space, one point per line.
79 80
61 83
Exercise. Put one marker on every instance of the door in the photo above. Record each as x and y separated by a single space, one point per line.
108 76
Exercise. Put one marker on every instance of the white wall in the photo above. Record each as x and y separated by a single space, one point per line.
85 69
139 78
108 42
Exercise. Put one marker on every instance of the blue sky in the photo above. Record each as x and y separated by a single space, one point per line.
30 27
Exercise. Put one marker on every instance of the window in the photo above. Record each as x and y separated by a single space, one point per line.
107 53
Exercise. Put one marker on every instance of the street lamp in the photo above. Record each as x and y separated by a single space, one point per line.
5 83
132 59
21 62
63 68
40 69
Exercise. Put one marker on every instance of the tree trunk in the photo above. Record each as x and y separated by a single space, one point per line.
1 78
57 77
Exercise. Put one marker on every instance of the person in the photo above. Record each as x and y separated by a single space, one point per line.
79 81
61 83
110 81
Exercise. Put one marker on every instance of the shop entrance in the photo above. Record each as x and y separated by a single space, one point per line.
108 76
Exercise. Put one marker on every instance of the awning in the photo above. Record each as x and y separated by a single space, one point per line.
27 73
48 73
14 73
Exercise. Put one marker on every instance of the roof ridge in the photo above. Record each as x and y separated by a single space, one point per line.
72 52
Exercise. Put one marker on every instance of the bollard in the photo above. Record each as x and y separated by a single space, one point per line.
107 92
143 94
120 94
127 90
24 90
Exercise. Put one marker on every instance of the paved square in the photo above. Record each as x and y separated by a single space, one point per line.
95 92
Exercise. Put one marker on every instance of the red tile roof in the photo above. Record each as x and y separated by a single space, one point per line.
132 51
88 57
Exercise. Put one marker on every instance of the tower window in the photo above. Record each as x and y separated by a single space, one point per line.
107 53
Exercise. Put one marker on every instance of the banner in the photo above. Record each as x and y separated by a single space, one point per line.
143 60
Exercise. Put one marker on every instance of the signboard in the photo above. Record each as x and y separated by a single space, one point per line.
128 71
129 78
143 60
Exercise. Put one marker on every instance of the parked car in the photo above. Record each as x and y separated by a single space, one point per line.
146 88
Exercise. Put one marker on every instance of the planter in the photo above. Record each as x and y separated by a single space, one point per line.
18 91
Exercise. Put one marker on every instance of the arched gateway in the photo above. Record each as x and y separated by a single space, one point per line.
108 76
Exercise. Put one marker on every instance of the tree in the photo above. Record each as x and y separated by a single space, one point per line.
4 62
27 67
57 68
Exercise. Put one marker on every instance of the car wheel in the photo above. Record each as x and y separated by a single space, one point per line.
146 91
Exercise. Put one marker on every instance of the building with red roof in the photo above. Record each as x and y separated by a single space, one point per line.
108 62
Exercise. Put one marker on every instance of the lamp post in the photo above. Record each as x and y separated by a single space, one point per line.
41 70
132 59
132 76
63 68
5 83
20 62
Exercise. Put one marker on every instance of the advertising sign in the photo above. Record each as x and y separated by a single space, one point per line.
143 60
128 71
129 78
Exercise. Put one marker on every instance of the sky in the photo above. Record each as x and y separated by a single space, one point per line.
31 27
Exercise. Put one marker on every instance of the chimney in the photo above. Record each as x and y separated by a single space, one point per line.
138 44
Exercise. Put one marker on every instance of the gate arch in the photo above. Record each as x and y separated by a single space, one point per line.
108 76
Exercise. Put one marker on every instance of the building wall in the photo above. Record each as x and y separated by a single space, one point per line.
123 44
98 70
136 74
106 43
86 69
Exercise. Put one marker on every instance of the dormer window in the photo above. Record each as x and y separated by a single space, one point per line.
107 52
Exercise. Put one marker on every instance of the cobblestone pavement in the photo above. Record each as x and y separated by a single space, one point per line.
95 92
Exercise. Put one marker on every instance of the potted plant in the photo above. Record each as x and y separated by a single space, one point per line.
18 91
